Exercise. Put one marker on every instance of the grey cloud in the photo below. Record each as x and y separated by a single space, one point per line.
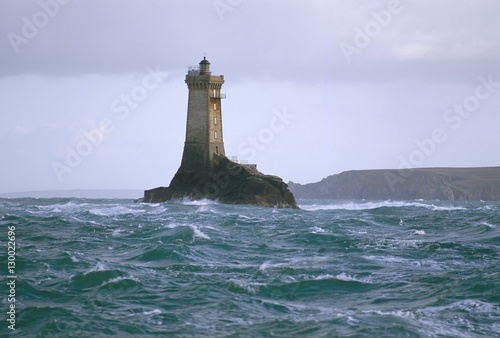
283 40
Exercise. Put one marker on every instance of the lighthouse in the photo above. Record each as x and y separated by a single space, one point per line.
205 171
204 138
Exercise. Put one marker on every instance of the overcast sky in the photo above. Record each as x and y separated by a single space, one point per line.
92 92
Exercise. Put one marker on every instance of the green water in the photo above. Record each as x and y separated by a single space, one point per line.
96 268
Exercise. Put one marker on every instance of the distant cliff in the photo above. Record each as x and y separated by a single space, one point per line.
406 184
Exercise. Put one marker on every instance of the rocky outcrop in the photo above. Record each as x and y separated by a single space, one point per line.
227 182
407 184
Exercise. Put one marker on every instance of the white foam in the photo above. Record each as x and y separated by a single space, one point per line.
345 277
204 208
325 276
73 258
157 209
394 260
248 287
489 225
407 314
450 208
374 205
353 205
317 230
98 267
61 207
198 232
348 278
468 305
152 312
419 232
359 232
264 266
115 211
118 231
204 201
118 279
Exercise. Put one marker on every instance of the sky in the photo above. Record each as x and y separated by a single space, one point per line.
92 93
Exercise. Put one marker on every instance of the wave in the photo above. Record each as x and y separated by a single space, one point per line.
115 211
452 320
489 225
191 270
60 207
187 201
345 277
370 205
198 232
120 284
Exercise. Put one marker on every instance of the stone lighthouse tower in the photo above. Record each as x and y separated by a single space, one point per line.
204 137
205 171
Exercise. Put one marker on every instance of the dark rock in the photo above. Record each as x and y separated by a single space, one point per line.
227 182
407 184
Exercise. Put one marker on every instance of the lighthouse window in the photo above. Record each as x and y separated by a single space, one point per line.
215 134
215 120
215 106
214 93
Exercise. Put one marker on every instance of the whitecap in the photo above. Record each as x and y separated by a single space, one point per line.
204 208
489 225
394 260
98 267
407 314
115 211
198 232
152 312
468 305
445 208
325 276
354 205
61 207
204 201
120 278
118 231
359 232
419 232
348 278
264 266
369 205
251 288
345 277
73 258
171 225
157 209
317 230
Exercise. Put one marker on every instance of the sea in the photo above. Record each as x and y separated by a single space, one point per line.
112 267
